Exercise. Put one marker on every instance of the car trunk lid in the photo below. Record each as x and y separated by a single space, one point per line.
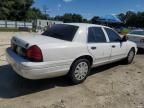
20 44
27 41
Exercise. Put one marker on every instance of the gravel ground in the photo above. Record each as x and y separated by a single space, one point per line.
111 86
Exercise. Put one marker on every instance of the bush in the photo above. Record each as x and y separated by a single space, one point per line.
125 31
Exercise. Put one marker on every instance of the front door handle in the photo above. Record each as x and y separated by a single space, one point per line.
113 46
93 48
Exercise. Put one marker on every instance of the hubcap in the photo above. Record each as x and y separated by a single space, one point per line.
81 71
131 55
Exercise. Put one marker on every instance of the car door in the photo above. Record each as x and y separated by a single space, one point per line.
98 45
119 49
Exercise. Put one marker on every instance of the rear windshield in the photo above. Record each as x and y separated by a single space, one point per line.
137 32
62 31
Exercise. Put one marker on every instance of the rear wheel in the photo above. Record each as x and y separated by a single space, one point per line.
79 71
130 56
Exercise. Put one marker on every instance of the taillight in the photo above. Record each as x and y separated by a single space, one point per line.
34 54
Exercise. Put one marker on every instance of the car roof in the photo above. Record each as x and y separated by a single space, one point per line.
86 25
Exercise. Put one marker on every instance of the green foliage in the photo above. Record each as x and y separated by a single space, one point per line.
22 10
125 31
14 9
19 10
34 13
95 20
122 17
68 17
133 19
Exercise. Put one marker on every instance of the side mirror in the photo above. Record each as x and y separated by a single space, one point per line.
124 39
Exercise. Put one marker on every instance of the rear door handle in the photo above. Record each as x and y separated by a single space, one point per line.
93 48
113 46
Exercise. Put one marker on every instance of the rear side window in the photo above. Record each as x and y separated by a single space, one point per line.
96 35
62 31
113 36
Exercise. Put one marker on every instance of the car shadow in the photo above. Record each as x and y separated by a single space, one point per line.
12 85
105 67
140 51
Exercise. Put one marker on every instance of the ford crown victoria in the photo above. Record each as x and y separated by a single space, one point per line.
68 49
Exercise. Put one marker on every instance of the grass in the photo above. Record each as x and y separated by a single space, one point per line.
11 30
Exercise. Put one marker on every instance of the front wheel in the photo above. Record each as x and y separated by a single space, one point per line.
130 56
79 71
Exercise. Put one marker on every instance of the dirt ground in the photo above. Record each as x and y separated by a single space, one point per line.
111 86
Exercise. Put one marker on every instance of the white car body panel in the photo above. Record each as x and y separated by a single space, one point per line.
58 55
32 70
100 56
120 51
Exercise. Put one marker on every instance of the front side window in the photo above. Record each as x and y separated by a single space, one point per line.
96 35
61 31
113 36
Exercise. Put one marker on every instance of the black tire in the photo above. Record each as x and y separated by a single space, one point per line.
73 74
130 56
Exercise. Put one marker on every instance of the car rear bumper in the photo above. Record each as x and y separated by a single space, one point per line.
32 70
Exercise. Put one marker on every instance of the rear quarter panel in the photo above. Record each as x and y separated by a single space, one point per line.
63 53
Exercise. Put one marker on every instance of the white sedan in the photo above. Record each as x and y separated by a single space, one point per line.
137 36
68 49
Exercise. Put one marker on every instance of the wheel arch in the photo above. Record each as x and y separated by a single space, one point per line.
133 48
88 57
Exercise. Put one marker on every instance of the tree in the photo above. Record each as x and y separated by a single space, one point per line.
14 9
77 18
58 18
132 19
85 20
5 8
95 20
68 17
122 17
140 19
34 13
19 10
